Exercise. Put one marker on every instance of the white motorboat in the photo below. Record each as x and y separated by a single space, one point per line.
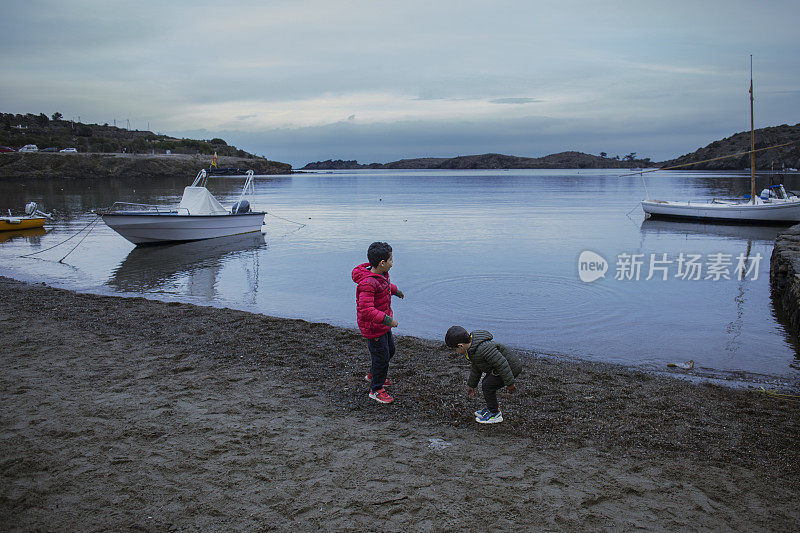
774 205
198 216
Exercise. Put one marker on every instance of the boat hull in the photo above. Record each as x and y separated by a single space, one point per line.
149 228
772 213
18 223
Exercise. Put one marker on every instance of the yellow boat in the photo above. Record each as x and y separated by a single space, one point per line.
18 223
33 218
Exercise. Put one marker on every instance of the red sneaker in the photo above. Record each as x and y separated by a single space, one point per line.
368 377
381 395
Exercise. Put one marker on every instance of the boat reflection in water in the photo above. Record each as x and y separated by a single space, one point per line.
33 235
189 268
745 241
742 233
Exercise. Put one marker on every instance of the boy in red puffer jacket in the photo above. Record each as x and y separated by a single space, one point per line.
374 315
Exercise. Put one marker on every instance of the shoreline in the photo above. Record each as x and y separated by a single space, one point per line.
109 165
736 379
129 413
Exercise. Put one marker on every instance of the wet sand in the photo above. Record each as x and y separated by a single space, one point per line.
130 414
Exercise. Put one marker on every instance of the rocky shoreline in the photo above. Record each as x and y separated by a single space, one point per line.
784 276
132 414
66 165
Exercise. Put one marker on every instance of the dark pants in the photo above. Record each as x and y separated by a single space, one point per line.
381 350
490 385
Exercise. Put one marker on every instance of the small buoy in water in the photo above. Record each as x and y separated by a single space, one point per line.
688 365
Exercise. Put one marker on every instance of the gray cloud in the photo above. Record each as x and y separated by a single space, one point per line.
443 78
514 100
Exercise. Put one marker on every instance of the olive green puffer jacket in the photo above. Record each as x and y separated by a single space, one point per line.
485 355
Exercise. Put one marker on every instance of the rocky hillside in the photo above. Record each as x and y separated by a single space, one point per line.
54 132
776 158
493 161
337 164
57 165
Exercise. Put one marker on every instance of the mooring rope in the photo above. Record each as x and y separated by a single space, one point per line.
286 219
80 241
94 221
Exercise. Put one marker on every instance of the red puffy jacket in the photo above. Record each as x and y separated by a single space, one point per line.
373 301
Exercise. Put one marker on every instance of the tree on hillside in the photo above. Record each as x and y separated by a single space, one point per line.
603 154
42 119
138 145
56 116
631 156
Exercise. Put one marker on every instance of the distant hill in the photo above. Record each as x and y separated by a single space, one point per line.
54 132
108 151
776 158
492 161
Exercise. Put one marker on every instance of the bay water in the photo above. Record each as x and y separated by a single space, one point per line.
556 261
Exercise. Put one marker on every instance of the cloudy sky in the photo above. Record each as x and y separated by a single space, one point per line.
300 81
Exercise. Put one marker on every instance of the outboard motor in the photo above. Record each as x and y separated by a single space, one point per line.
32 209
240 207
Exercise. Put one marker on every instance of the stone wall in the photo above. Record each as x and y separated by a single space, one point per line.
784 275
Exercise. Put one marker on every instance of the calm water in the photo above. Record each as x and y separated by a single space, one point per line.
485 249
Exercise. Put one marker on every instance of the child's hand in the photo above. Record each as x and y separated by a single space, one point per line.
394 323
511 388
470 392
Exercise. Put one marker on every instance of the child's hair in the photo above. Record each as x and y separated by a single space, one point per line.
378 251
456 335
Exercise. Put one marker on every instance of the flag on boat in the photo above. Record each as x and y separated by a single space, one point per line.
214 161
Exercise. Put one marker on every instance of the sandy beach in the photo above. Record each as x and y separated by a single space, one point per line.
129 414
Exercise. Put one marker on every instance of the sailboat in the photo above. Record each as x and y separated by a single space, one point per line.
773 205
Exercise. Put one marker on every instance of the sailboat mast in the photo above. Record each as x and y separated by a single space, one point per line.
752 140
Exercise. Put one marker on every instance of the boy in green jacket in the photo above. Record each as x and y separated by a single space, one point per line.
500 364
